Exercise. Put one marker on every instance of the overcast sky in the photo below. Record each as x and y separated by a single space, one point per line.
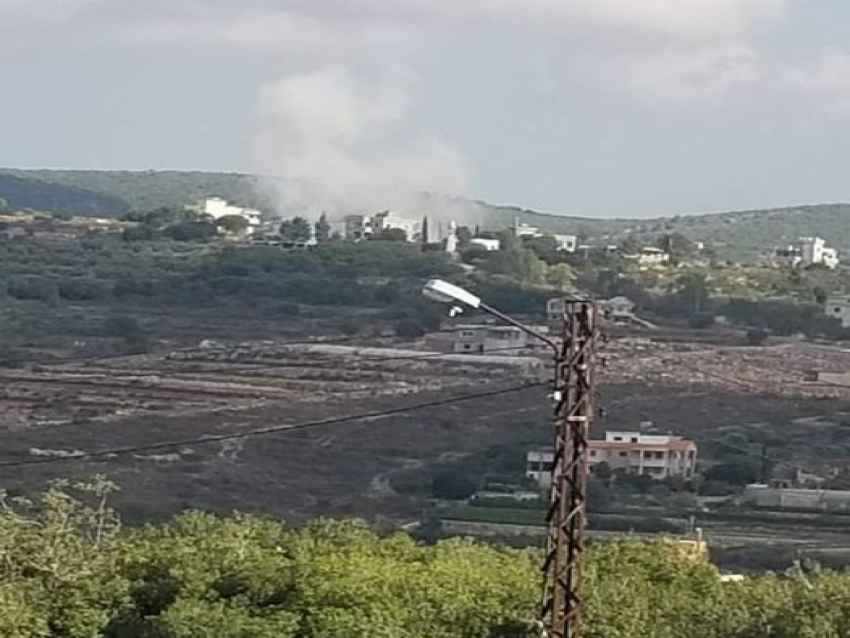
590 107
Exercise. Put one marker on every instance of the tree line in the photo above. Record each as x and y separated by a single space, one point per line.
70 570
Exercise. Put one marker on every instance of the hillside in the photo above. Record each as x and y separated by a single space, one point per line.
740 234
139 190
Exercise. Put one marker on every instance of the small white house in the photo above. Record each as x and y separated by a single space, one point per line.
566 243
838 307
216 207
484 339
489 245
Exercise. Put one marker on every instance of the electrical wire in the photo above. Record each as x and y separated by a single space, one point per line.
304 425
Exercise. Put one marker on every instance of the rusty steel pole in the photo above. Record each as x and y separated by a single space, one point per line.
567 519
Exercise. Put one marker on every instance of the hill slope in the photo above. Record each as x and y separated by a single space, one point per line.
742 234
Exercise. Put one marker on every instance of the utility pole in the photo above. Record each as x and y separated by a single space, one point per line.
567 519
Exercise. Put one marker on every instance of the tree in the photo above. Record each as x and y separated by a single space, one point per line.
392 234
191 231
234 224
464 237
453 484
561 277
296 230
323 229
677 246
4 206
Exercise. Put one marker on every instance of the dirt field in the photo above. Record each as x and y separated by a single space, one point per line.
51 412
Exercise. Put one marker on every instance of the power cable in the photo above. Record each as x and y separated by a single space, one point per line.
216 438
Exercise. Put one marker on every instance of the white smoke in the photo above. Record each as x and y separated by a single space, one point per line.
333 142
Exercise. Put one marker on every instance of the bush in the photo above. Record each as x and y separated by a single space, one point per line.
453 485
31 287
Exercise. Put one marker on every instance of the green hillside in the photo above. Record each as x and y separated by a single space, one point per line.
146 190
742 234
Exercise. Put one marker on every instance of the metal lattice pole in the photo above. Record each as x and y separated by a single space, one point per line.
574 392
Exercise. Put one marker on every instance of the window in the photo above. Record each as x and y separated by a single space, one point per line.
593 453
634 439
659 455
647 455
624 454
618 438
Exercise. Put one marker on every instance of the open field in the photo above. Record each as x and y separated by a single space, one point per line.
53 409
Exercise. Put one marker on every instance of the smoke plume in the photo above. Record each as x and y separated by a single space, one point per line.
332 142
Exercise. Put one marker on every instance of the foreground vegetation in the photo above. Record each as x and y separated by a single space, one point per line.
69 570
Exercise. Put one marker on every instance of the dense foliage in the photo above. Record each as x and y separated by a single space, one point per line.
20 193
69 570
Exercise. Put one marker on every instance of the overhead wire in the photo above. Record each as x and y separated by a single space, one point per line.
291 427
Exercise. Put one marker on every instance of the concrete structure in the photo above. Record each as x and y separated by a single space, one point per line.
216 207
806 251
767 496
487 244
525 230
566 243
650 256
838 307
360 227
483 339
657 455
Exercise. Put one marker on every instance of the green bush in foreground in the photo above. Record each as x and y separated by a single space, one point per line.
68 569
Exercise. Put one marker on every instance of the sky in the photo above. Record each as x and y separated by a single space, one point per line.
629 108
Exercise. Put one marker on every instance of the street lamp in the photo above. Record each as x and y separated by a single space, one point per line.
574 393
444 292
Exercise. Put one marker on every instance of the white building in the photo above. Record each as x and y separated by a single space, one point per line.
838 307
487 244
566 243
651 256
360 227
216 207
807 251
657 455
484 339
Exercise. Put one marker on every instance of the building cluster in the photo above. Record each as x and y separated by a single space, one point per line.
659 456
806 251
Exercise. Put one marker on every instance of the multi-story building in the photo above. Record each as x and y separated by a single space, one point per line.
657 455
806 251
359 227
